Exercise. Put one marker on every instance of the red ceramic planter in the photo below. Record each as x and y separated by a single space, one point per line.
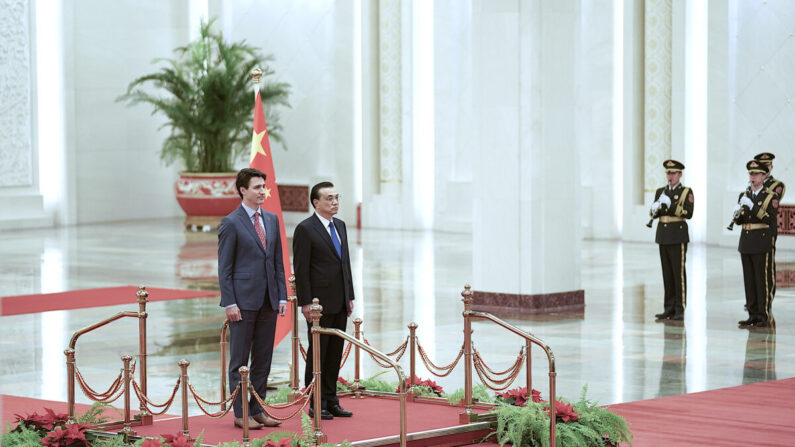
206 197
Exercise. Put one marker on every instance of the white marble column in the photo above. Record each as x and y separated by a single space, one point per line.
21 204
658 80
400 195
526 185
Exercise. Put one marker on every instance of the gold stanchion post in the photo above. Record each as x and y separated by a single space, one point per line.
183 366
403 422
223 344
244 402
316 311
412 357
293 299
70 383
142 295
467 415
552 415
357 370
127 430
529 365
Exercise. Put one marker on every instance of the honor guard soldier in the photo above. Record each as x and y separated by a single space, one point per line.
777 186
673 204
757 212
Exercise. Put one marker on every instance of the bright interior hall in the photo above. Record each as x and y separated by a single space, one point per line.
512 145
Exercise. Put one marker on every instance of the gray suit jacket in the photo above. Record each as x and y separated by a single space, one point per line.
248 275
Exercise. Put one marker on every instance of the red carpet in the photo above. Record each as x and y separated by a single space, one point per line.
373 418
760 414
80 299
11 405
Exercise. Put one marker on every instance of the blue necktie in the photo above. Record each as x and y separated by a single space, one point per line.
335 240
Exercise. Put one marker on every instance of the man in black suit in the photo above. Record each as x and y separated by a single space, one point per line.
758 210
673 204
251 278
323 270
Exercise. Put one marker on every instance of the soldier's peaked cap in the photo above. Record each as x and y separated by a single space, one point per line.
673 166
765 157
756 167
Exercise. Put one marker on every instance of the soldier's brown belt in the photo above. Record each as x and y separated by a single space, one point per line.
756 226
671 219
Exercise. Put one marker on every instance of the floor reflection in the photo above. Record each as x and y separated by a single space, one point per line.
760 355
614 346
673 378
197 261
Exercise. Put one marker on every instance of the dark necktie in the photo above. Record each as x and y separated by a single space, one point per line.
259 230
335 240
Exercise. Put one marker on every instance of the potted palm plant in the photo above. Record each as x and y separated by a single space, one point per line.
206 96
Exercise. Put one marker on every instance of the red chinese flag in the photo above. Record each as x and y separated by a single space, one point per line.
261 159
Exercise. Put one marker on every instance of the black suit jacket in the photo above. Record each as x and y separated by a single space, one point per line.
319 272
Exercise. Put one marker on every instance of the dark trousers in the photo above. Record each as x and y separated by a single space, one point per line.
757 286
771 280
252 336
330 357
672 258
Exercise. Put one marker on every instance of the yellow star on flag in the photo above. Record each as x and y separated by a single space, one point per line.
267 193
256 144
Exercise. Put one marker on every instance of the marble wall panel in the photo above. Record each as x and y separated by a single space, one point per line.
762 89
658 78
16 77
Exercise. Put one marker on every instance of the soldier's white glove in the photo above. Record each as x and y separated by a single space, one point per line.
654 207
665 199
737 207
747 202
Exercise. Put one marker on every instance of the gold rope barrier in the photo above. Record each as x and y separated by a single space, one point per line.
431 366
264 405
146 402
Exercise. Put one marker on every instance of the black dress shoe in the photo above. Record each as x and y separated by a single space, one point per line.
760 323
324 414
662 316
677 317
748 322
340 412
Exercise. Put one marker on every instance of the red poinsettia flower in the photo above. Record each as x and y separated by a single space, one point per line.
343 381
565 412
55 438
76 434
177 440
152 443
284 442
424 382
46 421
518 396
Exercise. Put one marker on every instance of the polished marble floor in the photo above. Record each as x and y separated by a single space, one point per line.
614 346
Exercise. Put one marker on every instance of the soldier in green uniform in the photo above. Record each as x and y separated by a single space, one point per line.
673 204
758 209
778 187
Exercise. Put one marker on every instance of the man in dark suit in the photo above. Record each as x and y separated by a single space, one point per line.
323 270
758 210
673 204
251 277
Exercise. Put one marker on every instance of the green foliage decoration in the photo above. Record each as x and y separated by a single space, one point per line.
529 426
23 437
209 101
480 393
